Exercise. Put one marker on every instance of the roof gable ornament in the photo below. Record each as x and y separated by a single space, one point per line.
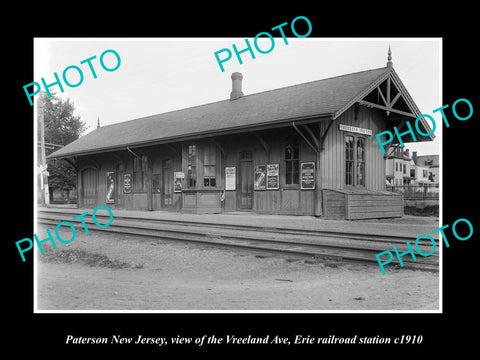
389 58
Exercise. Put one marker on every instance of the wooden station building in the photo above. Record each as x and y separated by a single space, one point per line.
307 149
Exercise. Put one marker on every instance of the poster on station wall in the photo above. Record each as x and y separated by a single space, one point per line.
110 198
178 177
260 177
308 176
272 176
127 183
230 178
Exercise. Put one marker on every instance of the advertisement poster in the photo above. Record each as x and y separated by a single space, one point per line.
272 176
127 183
260 177
230 178
178 176
308 176
110 199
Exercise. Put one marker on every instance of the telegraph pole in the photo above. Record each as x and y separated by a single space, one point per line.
43 168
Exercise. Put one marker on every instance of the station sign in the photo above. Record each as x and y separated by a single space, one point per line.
354 129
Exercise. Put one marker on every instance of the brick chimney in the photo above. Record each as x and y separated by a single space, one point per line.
236 86
407 153
414 157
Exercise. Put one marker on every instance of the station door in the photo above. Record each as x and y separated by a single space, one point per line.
89 188
245 181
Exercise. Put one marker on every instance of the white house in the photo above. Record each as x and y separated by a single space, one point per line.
399 168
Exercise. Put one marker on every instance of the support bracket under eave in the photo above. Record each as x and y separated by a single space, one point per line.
262 142
71 162
217 143
324 135
174 150
315 140
305 138
131 151
117 157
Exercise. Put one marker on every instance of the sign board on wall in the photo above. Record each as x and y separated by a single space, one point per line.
308 176
260 177
272 176
178 176
110 198
354 129
127 183
230 178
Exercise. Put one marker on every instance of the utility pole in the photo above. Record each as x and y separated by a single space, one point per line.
43 167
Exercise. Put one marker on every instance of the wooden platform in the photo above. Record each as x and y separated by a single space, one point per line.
352 204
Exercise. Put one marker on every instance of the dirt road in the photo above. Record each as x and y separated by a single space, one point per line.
117 272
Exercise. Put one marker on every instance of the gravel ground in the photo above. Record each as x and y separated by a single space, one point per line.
103 271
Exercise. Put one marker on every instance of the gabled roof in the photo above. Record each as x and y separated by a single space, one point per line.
428 160
326 98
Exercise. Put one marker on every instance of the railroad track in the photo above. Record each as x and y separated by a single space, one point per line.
317 244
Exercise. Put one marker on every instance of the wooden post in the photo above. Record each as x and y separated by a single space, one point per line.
44 177
149 186
318 177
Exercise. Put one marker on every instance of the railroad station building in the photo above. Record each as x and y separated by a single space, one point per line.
307 149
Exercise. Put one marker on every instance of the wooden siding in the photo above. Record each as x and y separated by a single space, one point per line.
333 155
201 202
288 199
108 162
367 206
333 204
88 189
361 204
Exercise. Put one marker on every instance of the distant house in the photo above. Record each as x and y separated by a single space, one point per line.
398 168
429 165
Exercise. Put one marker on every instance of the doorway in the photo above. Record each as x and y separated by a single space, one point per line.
89 188
245 181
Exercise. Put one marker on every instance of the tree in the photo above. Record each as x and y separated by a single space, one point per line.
61 128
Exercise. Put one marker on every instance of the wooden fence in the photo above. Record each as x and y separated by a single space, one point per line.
428 191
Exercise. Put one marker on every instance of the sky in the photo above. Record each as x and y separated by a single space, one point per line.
158 75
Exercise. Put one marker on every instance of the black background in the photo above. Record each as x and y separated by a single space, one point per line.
26 332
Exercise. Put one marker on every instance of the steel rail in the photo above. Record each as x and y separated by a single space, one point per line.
320 249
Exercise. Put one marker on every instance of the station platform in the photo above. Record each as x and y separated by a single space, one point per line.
408 225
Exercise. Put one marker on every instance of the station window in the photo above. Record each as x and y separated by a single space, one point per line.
355 160
139 168
292 162
349 160
209 166
361 161
192 166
